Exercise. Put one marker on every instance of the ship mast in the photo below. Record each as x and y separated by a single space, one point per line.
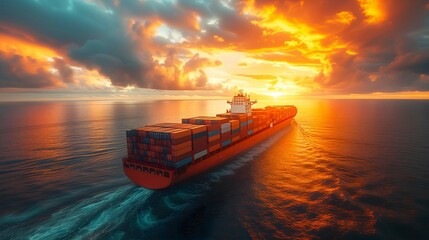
241 103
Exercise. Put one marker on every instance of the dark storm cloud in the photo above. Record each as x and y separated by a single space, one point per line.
14 73
348 76
344 75
392 54
56 22
415 62
100 39
200 21
64 70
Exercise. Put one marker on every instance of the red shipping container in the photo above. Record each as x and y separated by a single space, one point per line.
236 116
225 136
214 142
200 145
214 147
193 127
187 144
213 127
234 124
214 137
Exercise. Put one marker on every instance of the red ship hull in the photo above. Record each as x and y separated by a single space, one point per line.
154 177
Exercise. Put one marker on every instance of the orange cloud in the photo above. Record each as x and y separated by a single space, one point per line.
334 47
373 10
18 46
344 17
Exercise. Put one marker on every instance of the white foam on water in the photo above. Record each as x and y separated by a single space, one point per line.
146 219
47 205
118 235
172 204
112 217
30 213
64 223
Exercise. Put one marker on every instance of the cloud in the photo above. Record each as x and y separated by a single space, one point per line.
341 73
18 71
345 47
64 70
258 76
292 57
416 62
346 74
196 63
117 46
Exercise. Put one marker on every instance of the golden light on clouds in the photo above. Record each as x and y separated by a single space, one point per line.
344 17
12 45
272 48
373 10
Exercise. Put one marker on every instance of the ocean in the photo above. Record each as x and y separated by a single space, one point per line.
344 169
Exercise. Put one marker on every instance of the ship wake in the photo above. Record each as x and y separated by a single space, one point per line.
89 218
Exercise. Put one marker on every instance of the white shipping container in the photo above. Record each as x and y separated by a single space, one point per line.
226 127
224 130
200 154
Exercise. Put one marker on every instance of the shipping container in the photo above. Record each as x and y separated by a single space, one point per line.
214 147
200 154
234 124
225 127
225 136
226 143
206 120
235 138
214 137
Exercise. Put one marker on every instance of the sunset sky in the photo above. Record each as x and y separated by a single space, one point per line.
147 49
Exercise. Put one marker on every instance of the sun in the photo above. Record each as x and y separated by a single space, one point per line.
275 94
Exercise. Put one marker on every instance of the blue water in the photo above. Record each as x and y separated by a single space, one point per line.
344 169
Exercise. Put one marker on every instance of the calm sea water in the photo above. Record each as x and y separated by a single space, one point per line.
356 169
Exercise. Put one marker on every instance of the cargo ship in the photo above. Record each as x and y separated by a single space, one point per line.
160 155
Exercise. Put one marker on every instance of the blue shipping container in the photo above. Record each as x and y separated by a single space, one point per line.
200 134
215 132
227 142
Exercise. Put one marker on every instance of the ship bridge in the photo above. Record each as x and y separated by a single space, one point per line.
241 103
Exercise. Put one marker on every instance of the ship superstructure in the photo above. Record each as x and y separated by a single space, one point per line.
241 103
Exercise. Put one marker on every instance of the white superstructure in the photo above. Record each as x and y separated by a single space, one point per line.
241 103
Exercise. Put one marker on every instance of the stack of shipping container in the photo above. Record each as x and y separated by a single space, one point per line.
235 130
214 129
262 119
241 117
171 147
174 145
199 137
